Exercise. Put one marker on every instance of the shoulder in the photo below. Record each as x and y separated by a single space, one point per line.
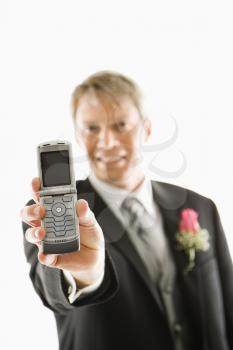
84 186
175 193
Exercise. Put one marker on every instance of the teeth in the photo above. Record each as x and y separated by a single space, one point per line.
112 159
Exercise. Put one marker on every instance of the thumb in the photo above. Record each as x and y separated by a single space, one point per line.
85 216
50 260
91 234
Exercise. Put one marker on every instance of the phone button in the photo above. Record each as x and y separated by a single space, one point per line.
67 199
59 228
70 232
58 209
59 223
48 200
60 233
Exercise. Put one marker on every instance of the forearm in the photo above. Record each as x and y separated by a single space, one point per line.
50 285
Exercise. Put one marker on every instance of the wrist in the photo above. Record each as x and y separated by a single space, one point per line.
88 277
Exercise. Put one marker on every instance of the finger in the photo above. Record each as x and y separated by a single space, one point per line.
35 187
47 259
32 214
35 234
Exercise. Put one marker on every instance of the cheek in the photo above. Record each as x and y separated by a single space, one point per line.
132 143
89 144
91 150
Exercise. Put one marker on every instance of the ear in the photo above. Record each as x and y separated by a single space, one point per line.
147 126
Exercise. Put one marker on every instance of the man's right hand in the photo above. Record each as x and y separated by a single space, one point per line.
85 265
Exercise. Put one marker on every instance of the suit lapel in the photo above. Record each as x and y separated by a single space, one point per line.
170 201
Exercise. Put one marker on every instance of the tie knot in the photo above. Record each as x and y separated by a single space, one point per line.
135 213
132 206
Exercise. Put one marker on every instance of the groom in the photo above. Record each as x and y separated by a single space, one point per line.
154 270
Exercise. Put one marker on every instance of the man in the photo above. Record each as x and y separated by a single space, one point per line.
129 286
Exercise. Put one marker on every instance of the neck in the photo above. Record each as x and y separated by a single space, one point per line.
130 184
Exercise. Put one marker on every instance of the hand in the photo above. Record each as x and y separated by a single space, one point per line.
85 265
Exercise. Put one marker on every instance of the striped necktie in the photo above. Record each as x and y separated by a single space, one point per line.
143 224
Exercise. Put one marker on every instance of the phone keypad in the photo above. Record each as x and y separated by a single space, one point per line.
59 219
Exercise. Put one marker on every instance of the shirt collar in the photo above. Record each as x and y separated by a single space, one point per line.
114 196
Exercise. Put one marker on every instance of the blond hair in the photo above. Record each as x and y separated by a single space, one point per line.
116 85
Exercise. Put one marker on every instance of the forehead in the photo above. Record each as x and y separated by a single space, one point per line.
93 107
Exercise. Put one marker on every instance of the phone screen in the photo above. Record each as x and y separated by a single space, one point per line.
55 168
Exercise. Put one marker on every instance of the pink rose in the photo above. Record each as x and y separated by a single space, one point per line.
189 221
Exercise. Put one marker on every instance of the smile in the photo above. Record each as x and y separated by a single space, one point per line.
110 159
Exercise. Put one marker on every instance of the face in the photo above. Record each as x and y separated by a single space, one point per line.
111 135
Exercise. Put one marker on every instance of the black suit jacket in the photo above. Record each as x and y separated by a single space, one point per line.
124 313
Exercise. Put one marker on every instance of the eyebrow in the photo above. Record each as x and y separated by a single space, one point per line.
115 120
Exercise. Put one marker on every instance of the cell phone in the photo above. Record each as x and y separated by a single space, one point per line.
58 195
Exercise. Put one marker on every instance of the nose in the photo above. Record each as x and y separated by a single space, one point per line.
108 139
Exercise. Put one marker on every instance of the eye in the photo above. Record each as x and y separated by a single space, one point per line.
93 128
120 126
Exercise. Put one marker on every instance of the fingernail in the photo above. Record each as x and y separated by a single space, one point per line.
50 259
89 216
37 233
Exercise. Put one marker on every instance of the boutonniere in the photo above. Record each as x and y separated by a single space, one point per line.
191 237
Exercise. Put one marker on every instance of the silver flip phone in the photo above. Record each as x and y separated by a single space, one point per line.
58 195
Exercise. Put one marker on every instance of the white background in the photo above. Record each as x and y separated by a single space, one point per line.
179 52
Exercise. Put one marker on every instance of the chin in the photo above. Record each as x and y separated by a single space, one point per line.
123 178
112 177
